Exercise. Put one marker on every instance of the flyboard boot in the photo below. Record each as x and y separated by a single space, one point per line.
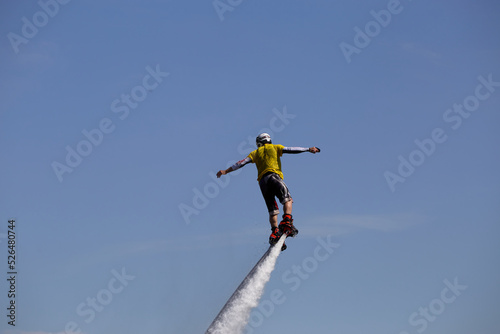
275 236
286 226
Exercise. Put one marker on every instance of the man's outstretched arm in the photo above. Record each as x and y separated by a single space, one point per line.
295 150
234 167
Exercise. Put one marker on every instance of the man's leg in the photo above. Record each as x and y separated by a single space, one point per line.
273 220
287 207
272 206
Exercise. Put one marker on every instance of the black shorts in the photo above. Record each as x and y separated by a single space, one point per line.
273 186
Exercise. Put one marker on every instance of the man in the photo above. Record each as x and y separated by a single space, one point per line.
267 158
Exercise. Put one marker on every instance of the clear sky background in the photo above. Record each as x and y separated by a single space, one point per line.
130 206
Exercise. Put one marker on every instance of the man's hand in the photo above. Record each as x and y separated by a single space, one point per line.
222 172
314 150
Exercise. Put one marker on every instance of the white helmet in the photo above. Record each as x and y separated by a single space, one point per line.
263 138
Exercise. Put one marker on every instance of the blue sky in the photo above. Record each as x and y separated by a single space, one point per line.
169 92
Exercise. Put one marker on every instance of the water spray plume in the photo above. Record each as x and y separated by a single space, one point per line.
234 316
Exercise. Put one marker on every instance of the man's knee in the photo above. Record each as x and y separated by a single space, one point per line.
273 213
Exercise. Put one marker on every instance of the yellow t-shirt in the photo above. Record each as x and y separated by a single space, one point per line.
267 158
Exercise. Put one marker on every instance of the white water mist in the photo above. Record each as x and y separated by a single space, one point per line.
234 316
